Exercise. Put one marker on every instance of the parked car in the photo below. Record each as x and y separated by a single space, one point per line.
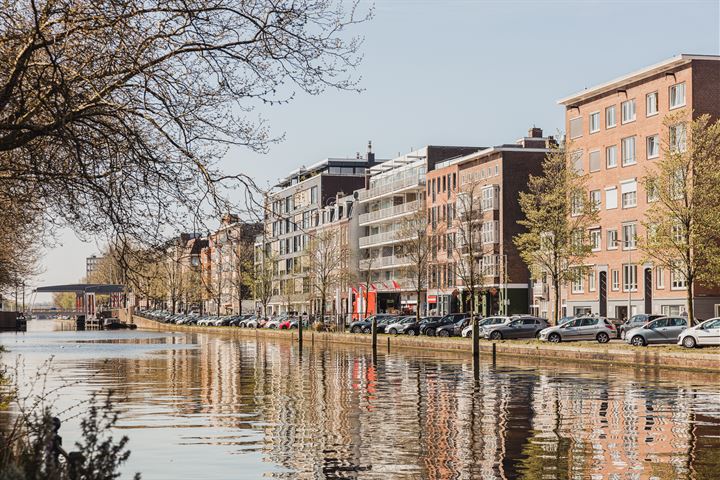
430 328
583 328
413 328
518 327
453 329
364 326
707 333
637 321
483 324
398 324
235 322
660 330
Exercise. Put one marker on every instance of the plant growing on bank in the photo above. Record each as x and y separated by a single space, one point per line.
557 213
683 222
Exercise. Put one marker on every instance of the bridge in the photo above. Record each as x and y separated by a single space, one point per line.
85 299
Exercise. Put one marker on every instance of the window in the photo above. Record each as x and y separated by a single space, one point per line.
628 150
489 232
611 199
678 234
677 280
612 239
651 191
611 156
678 138
677 95
576 204
615 280
629 278
629 236
577 282
489 198
594 122
313 195
576 158
596 239
610 117
592 281
653 146
595 161
628 191
660 277
596 199
576 127
651 104
628 111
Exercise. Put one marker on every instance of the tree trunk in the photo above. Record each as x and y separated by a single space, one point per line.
690 302
556 313
417 307
475 326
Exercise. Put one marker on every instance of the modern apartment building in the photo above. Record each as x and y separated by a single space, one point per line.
394 190
91 264
292 211
487 182
616 130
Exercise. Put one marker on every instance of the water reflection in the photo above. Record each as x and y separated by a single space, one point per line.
215 407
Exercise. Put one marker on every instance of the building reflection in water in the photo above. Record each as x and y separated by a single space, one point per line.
335 414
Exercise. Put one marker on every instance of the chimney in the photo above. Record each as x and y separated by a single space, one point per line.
535 132
370 154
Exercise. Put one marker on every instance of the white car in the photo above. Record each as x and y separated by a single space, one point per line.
484 322
706 333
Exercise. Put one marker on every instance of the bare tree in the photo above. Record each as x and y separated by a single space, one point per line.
113 115
327 256
264 275
242 276
415 247
684 223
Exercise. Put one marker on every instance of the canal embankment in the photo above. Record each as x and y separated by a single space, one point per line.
614 353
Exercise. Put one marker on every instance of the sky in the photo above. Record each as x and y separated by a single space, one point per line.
458 72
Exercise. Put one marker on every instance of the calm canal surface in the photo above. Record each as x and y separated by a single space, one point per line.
200 406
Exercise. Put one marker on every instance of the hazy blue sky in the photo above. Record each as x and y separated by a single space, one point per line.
462 72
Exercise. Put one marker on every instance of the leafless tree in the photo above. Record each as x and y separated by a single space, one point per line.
113 114
327 256
415 247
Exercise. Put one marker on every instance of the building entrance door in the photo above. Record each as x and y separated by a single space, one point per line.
648 290
603 294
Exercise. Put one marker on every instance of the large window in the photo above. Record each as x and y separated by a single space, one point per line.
653 146
660 277
611 199
612 239
678 138
615 284
596 199
576 127
610 117
489 232
592 280
594 122
577 282
628 111
576 159
629 278
629 194
677 279
489 198
611 156
629 231
677 95
576 204
628 151
594 160
651 104
596 239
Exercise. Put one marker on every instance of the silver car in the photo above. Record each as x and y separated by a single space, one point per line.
483 324
518 327
707 333
399 325
661 330
584 328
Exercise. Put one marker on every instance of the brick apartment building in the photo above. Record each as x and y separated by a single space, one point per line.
617 131
493 177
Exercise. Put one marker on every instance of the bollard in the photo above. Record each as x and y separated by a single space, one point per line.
388 347
494 351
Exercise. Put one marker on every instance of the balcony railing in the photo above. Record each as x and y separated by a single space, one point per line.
413 181
385 237
389 212
540 290
383 262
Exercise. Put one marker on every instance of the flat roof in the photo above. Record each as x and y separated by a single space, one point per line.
638 75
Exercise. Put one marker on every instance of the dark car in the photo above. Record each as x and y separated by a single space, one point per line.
365 325
414 328
635 321
430 328
524 326
454 329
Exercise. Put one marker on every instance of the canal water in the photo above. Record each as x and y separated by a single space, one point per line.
203 406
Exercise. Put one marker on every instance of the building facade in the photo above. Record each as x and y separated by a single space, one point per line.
486 183
616 131
395 190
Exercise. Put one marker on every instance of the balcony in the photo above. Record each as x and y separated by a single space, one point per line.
380 238
383 262
540 290
389 212
392 187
